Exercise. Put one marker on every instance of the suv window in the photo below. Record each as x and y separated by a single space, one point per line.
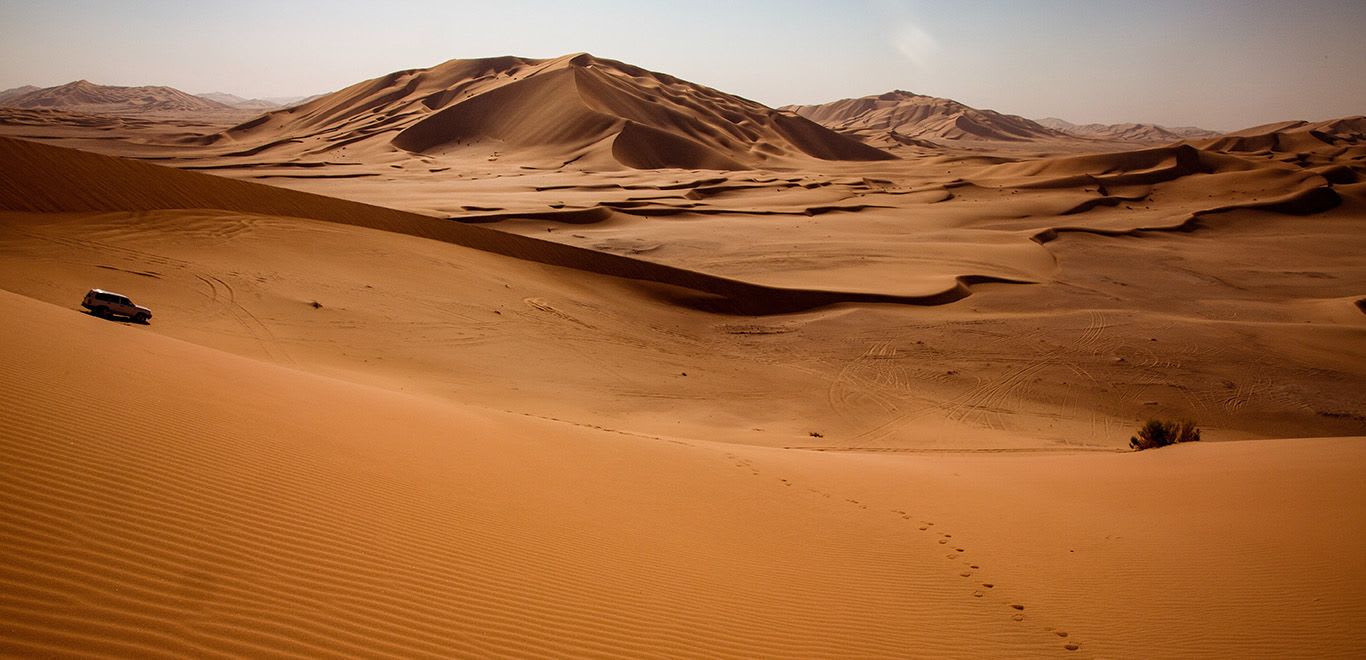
107 297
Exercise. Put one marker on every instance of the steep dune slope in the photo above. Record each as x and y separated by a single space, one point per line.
555 111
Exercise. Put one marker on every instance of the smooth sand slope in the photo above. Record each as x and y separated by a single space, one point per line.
304 515
359 431
156 506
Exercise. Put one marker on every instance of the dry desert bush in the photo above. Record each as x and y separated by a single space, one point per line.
1160 433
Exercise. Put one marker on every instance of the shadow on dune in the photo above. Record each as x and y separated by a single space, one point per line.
45 179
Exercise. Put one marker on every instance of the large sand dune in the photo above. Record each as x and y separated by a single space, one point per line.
575 109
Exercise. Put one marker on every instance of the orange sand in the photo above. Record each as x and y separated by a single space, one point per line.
460 399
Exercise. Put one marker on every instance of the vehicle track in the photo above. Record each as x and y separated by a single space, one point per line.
250 323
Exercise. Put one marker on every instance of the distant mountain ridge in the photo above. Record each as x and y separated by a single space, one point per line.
239 102
16 92
901 117
1129 132
85 96
268 103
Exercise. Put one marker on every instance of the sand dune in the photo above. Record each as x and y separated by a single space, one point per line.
1339 141
894 117
574 109
718 255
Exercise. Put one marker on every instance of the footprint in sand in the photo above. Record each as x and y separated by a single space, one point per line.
988 585
1071 646
978 593
1017 606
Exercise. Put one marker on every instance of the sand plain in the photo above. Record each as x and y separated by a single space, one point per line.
467 399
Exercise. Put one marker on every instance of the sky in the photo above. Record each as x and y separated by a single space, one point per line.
1218 64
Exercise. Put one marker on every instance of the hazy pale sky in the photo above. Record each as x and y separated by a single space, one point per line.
1221 64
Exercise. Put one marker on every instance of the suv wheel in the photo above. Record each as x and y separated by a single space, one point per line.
140 318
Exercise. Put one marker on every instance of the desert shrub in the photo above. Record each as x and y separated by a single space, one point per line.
1160 433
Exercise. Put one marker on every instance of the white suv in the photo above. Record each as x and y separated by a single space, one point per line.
108 303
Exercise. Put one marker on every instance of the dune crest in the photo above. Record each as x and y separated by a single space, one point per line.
46 179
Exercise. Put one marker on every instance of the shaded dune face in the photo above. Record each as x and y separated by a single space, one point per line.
1340 141
538 111
564 108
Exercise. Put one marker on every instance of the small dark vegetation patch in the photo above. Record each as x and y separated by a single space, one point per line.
1160 433
1336 414
816 434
